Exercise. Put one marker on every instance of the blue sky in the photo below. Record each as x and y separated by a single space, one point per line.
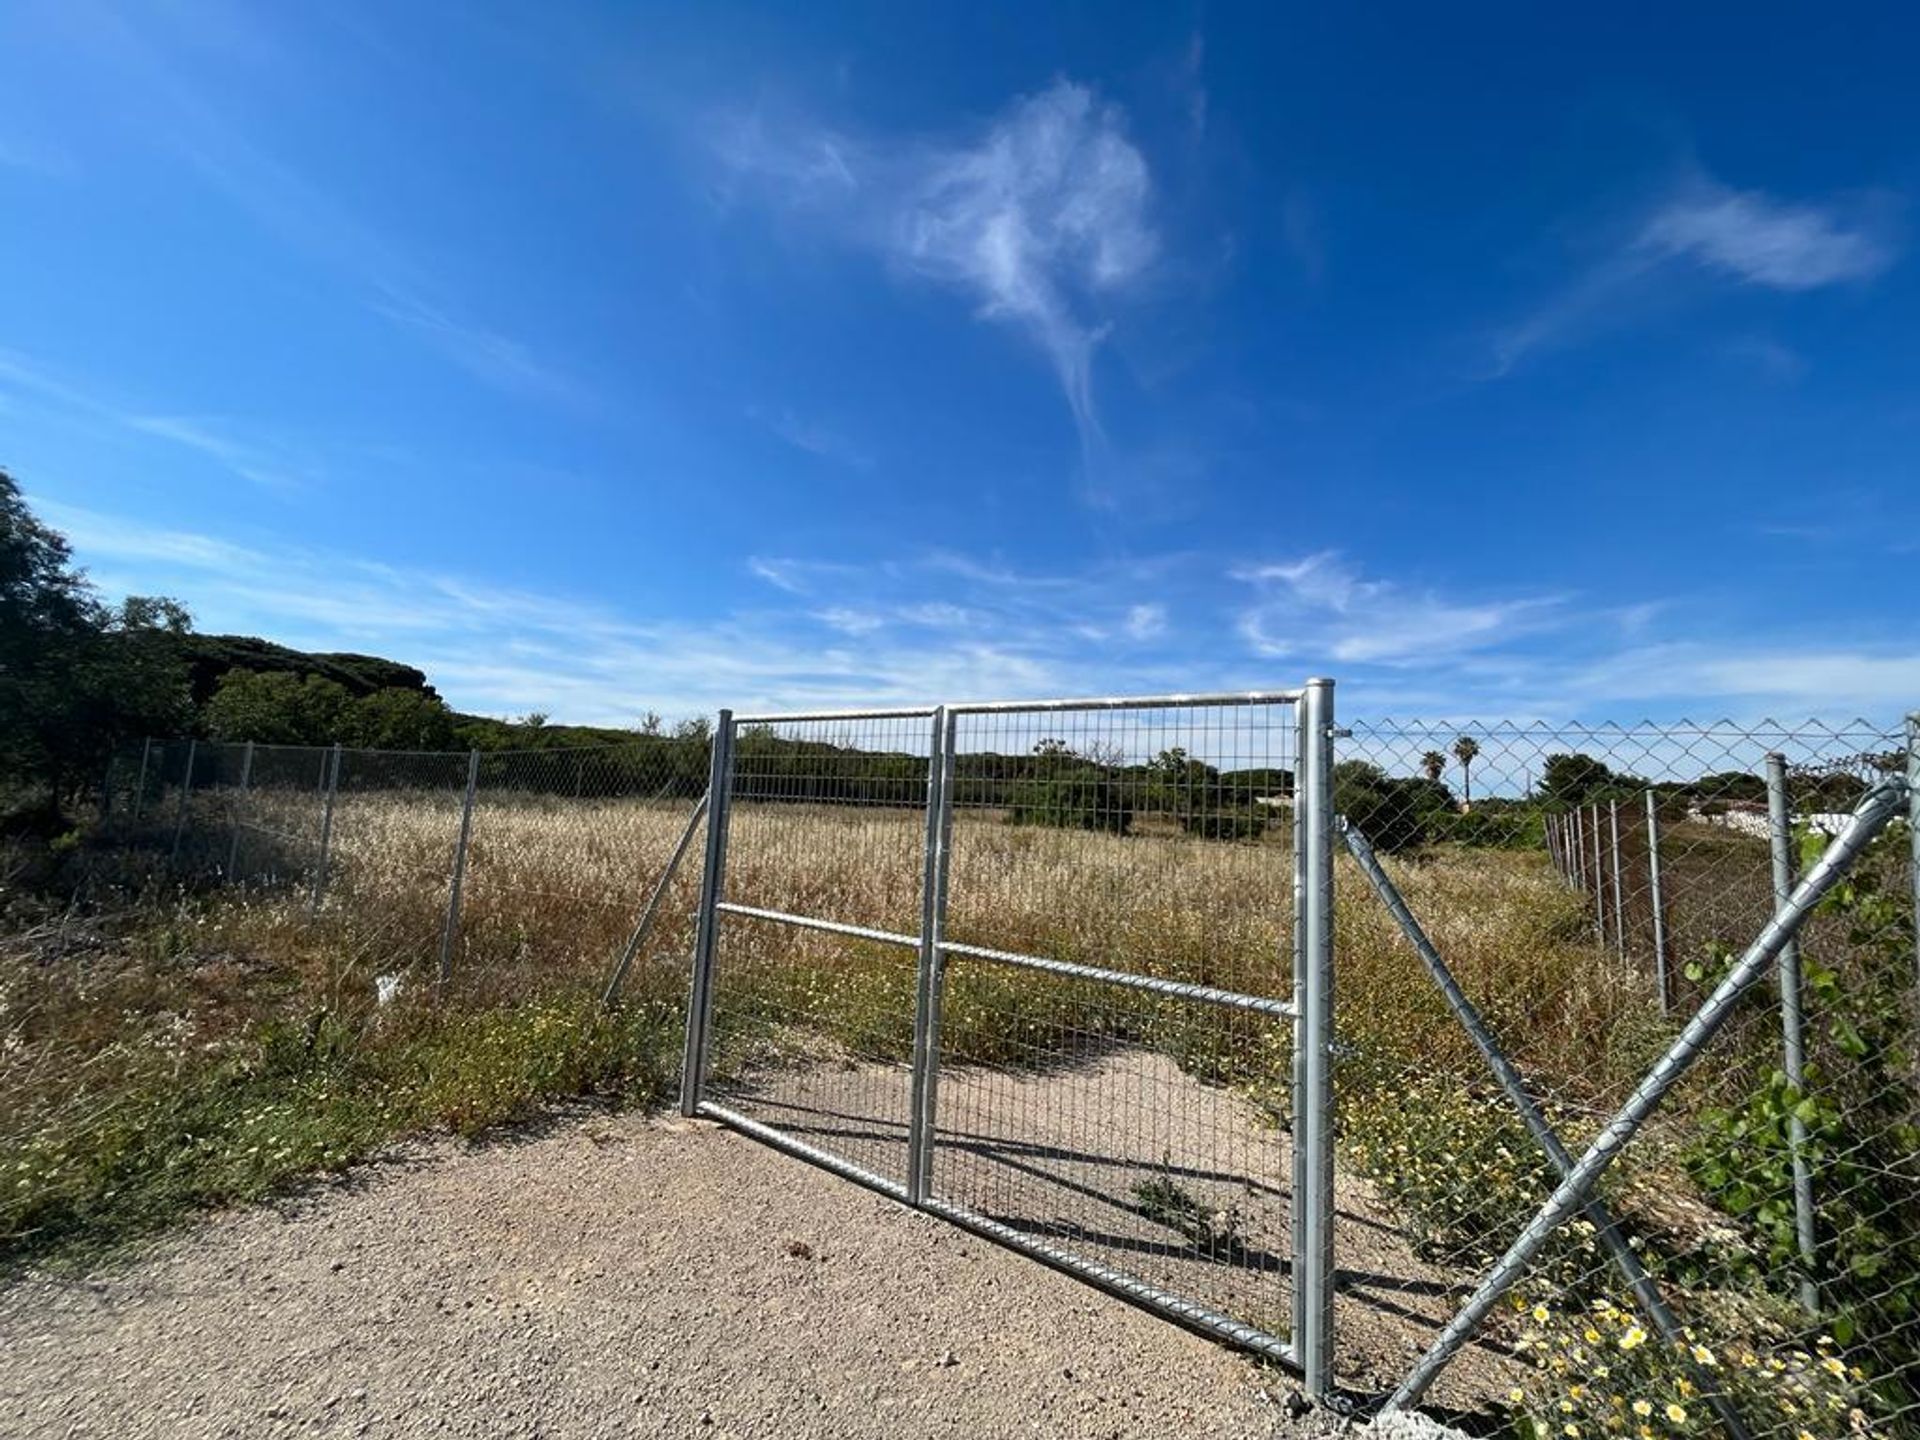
599 359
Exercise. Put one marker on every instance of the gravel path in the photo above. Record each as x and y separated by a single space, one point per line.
612 1276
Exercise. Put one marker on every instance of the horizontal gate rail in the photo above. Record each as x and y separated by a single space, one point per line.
1152 1297
809 922
1123 702
801 1150
1175 989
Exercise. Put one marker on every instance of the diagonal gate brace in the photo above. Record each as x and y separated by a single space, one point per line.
1575 1191
1628 1263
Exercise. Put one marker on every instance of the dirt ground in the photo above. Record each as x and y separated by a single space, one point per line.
610 1276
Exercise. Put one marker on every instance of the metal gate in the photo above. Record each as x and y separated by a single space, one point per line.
965 956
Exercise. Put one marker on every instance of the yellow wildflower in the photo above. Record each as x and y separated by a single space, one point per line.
1677 1413
1833 1366
1642 1408
1541 1314
1633 1339
1705 1356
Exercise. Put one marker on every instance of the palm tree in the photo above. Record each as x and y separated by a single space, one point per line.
1434 763
1465 749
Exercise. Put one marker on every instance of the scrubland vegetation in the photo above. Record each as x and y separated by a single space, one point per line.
174 1047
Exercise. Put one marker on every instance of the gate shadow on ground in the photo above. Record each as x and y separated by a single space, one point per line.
1124 1159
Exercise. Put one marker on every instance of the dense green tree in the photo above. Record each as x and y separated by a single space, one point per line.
396 719
76 677
276 707
1571 779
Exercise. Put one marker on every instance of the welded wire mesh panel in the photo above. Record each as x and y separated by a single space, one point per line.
564 847
1588 887
1156 840
1136 1131
813 1028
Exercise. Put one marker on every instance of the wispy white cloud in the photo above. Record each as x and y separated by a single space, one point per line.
815 439
1043 220
1322 605
36 157
272 464
916 631
156 62
1704 228
1763 241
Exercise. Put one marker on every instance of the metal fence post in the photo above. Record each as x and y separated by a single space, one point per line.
1579 827
1913 829
1313 1115
1599 878
693 1068
452 926
330 787
140 784
180 817
932 969
1792 1024
1619 882
246 779
1657 901
1573 1192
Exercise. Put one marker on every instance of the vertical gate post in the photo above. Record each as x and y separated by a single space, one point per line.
329 787
932 969
1619 881
180 816
1657 901
246 779
140 785
1792 1024
1313 1104
693 1066
452 927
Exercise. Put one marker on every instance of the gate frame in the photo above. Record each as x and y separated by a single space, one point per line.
1309 1351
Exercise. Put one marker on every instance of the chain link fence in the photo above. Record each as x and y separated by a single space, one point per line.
1557 951
480 876
1752 1263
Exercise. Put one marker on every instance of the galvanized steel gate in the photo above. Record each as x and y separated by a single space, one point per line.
1069 1126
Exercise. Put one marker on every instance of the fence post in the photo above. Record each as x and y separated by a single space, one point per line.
1573 1192
140 785
693 1066
1913 829
1655 898
932 969
1599 878
1313 1106
246 779
180 817
1619 882
330 787
452 926
1792 1025
1579 819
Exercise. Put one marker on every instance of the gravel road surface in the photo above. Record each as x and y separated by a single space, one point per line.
609 1276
